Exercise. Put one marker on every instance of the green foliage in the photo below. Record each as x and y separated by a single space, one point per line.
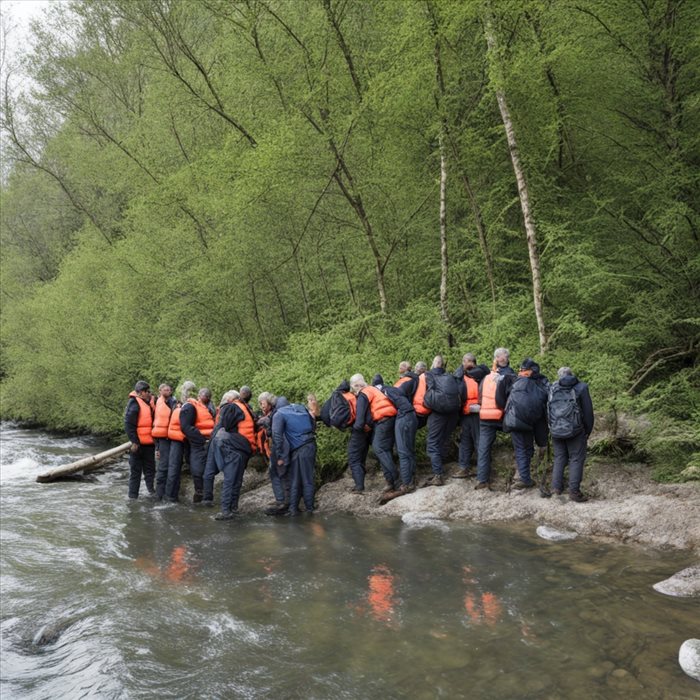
231 192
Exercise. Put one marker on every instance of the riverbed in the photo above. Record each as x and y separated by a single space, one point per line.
102 597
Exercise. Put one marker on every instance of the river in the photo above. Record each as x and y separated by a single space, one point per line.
105 598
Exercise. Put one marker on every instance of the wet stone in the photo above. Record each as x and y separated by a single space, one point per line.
553 535
684 584
689 658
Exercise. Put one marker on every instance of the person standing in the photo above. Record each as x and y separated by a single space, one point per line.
232 446
293 424
197 423
377 412
472 375
340 412
165 405
444 396
492 399
210 468
138 425
525 418
405 428
570 418
179 444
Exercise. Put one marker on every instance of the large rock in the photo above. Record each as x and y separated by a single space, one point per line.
684 584
423 518
554 535
689 658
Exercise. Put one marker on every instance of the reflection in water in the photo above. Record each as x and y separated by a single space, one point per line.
310 607
483 608
381 594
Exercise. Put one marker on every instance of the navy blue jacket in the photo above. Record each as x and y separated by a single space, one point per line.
230 416
294 424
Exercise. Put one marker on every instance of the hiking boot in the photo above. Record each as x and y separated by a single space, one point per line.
577 497
292 513
462 474
406 488
434 480
356 492
556 492
389 487
520 485
224 515
483 485
197 497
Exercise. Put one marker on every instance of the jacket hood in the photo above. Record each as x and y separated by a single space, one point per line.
377 380
568 381
344 386
281 402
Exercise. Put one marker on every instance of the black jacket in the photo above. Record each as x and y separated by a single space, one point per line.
230 416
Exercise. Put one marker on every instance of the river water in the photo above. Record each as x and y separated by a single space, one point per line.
105 598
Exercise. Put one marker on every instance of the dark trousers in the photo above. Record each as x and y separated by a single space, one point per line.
572 452
405 432
302 467
210 471
383 444
198 461
524 448
358 447
468 438
178 451
440 428
163 449
487 436
232 463
279 478
143 461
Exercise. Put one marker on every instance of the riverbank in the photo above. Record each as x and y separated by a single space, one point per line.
626 504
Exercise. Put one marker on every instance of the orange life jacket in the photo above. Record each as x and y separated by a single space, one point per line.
145 422
489 409
174 428
379 405
204 422
352 401
161 420
472 394
246 427
418 397
401 380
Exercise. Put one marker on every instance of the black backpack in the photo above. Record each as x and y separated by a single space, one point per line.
525 405
336 412
442 393
563 412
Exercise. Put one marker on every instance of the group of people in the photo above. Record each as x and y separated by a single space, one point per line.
481 402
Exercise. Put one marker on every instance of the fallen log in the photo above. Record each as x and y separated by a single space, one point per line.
86 464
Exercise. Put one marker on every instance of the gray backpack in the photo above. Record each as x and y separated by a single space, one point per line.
563 412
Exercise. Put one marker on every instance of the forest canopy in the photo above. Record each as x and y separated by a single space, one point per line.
284 192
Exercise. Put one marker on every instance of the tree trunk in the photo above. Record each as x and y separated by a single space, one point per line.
523 192
84 465
443 235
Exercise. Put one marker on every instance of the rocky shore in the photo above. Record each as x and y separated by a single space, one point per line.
625 506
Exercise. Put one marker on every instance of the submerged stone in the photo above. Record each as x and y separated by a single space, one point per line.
684 584
423 518
554 535
689 658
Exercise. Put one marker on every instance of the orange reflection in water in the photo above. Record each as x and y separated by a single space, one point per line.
177 569
481 608
381 594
